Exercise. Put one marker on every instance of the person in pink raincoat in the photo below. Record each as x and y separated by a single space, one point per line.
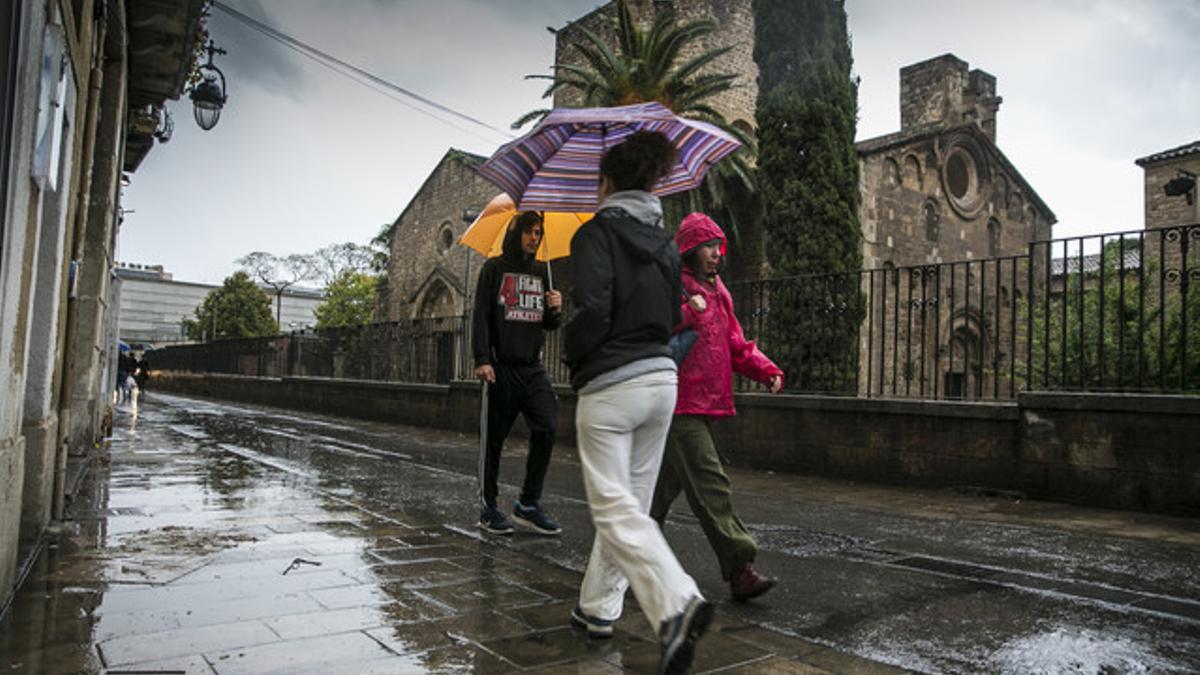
690 462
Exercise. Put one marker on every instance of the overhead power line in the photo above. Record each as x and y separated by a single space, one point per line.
369 79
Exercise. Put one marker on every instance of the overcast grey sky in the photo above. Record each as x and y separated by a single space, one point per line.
303 157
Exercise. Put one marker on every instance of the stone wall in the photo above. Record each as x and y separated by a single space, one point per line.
1161 210
944 90
1118 451
908 218
428 268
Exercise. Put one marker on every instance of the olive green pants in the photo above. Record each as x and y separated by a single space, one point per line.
691 465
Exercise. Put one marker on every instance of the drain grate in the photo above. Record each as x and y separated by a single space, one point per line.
949 567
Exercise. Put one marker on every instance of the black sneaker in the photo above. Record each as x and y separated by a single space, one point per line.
491 520
597 629
679 635
534 518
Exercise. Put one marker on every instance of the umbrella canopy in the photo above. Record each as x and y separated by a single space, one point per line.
556 166
486 234
122 346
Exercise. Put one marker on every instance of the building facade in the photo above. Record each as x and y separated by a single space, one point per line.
82 85
153 305
429 273
1182 207
937 191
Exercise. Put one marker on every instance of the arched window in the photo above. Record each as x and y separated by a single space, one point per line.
932 220
993 235
445 239
891 173
912 172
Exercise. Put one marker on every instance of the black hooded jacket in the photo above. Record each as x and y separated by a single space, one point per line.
510 308
625 298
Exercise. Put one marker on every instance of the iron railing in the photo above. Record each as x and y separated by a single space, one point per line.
1110 312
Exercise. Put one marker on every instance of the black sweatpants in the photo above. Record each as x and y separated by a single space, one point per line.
520 389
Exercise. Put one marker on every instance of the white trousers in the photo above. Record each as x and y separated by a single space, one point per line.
621 431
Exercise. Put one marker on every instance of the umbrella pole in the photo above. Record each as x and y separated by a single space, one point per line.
483 434
546 247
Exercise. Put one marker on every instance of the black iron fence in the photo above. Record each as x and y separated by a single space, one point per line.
1111 312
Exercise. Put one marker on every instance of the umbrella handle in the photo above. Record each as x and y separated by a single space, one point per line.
546 247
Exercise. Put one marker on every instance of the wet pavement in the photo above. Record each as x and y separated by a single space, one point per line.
227 538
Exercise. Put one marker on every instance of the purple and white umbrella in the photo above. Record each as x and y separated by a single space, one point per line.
556 166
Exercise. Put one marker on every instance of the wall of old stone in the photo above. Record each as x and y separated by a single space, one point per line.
908 218
943 90
1161 210
1118 451
419 242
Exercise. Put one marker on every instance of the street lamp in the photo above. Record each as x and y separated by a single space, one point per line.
208 97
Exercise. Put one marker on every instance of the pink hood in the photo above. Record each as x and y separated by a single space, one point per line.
696 229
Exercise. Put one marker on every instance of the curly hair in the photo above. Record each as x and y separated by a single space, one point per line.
639 162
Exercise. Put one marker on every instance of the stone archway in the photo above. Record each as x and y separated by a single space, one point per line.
437 301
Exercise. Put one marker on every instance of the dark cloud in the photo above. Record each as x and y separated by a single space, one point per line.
254 58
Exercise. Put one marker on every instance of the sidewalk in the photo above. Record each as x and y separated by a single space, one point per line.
187 560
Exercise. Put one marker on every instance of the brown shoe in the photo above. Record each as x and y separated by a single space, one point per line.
747 583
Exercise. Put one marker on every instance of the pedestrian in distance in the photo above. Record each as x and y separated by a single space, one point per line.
691 463
513 306
624 306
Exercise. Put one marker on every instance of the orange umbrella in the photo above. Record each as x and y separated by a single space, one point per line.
486 234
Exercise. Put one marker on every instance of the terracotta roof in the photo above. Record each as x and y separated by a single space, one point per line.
1174 153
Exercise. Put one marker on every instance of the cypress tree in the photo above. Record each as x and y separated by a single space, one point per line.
808 176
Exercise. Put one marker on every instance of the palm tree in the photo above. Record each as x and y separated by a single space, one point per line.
644 67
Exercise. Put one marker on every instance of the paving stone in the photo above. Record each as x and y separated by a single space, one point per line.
421 573
555 614
775 665
474 627
347 563
186 641
190 594
317 654
187 665
713 652
771 641
325 622
557 646
391 555
578 668
354 596
485 592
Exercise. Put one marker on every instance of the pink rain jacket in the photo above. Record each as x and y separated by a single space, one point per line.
706 376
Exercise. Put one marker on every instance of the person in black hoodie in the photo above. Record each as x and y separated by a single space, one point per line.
513 305
625 303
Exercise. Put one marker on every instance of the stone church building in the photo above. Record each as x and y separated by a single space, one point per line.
937 190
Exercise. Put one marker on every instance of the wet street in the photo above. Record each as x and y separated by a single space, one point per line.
227 538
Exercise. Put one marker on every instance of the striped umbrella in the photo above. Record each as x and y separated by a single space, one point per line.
556 166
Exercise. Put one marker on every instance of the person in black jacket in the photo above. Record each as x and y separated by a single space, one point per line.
625 303
513 305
